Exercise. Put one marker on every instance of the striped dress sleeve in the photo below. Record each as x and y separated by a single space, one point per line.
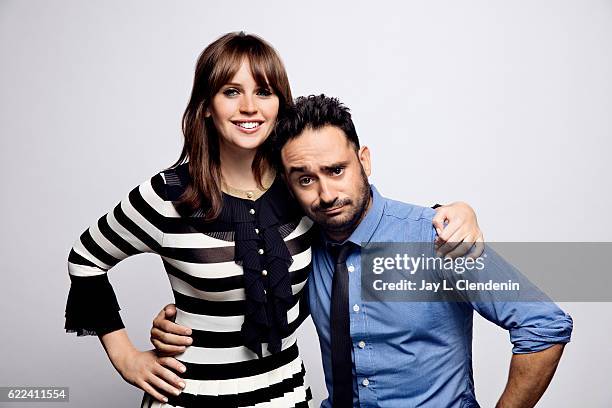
134 226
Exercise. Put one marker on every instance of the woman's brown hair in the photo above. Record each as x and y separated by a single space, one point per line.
216 66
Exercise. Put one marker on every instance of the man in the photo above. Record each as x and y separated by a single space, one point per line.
392 354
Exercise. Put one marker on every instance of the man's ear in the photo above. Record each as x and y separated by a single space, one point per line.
286 180
364 158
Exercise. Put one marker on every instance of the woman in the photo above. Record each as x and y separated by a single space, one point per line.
235 245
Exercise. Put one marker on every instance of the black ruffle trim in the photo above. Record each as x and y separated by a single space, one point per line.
92 307
267 297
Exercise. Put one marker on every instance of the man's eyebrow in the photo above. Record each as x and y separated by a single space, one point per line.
296 169
328 167
335 165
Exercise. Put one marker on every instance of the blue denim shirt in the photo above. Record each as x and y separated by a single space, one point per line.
416 354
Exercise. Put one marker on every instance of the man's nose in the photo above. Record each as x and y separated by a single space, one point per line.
327 195
248 105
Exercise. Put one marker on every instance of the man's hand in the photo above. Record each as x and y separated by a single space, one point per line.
529 377
458 231
168 337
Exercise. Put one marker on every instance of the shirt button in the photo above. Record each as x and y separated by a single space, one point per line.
351 268
252 211
257 230
249 194
355 308
361 344
365 382
261 251
264 273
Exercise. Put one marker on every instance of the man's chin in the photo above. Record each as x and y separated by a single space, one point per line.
334 224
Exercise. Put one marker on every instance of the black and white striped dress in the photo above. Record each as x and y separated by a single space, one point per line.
208 286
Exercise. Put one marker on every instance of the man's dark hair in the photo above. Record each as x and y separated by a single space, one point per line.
314 112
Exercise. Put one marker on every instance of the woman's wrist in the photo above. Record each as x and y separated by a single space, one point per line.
119 349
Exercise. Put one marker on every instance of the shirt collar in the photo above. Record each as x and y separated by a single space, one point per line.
366 228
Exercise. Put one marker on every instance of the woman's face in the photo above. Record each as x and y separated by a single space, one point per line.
243 112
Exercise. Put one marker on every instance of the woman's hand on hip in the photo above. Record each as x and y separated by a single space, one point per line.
153 374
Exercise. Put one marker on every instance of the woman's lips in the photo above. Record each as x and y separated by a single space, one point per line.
248 127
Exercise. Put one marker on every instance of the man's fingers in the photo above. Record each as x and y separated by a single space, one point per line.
164 349
447 244
171 327
478 247
463 249
167 336
170 311
438 221
146 387
450 229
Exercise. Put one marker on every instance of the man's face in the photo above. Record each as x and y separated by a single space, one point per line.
328 178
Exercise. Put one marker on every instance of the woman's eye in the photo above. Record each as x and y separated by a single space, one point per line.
230 92
264 92
304 181
338 171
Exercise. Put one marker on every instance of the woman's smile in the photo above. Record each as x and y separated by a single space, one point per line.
250 126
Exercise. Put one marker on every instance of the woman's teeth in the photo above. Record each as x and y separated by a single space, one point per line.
248 125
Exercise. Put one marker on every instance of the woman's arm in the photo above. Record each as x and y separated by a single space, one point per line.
134 226
143 369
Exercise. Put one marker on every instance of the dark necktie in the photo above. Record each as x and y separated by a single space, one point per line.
341 344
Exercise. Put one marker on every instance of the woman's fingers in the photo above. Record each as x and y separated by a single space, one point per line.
157 380
172 363
146 387
153 374
169 376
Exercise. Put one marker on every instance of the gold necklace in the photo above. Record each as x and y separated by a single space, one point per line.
252 194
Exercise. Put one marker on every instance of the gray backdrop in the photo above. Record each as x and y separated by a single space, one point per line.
505 105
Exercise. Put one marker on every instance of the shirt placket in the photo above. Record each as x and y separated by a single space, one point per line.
363 351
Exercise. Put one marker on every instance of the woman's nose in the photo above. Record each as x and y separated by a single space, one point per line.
248 105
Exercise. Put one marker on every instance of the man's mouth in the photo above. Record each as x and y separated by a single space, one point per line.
333 210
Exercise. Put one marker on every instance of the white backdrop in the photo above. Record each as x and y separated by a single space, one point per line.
505 105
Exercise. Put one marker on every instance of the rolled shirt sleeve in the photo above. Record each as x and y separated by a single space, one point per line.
533 321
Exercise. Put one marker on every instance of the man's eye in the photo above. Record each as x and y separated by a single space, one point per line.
337 171
230 92
304 181
264 92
